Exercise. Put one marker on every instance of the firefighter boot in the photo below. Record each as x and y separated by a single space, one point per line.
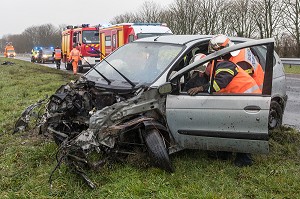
243 159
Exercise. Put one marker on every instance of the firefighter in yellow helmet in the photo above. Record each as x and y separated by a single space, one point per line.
74 57
243 57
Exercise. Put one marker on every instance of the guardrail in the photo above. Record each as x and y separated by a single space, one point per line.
290 61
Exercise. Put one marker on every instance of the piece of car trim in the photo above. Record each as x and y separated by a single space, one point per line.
226 134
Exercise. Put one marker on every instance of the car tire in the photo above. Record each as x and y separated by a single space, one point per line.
275 115
157 150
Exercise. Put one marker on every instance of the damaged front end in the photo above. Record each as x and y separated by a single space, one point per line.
84 119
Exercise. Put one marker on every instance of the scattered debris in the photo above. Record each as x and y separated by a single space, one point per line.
7 63
84 119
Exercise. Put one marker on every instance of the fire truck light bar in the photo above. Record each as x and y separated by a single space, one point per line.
147 24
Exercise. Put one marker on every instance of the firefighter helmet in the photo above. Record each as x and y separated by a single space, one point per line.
197 57
219 42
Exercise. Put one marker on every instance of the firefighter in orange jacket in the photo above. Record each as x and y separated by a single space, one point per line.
57 56
243 58
74 57
230 78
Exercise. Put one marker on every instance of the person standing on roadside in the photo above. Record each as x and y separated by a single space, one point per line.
57 56
74 57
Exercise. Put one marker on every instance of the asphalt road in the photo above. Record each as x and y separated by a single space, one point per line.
291 115
49 64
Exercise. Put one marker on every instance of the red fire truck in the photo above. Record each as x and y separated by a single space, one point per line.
114 36
87 39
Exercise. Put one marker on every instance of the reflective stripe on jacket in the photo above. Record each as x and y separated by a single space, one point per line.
230 78
252 67
57 53
75 55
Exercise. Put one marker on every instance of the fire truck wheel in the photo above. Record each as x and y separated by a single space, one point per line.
68 66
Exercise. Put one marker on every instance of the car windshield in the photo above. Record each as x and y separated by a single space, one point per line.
90 37
47 52
140 62
10 51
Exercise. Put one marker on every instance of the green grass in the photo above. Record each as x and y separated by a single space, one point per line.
292 69
27 159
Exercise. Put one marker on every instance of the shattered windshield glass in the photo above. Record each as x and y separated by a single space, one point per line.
139 62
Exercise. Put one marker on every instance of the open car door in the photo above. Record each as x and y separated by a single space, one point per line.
222 122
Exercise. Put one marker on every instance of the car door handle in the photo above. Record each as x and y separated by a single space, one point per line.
252 108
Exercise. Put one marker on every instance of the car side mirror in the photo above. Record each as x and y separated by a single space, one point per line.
165 88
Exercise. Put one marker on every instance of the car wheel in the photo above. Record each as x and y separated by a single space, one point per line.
275 115
157 150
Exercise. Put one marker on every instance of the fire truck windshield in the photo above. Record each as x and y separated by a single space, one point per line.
90 37
140 62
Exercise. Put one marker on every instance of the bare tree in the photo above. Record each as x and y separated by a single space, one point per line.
124 18
241 19
210 13
185 14
291 21
150 12
267 15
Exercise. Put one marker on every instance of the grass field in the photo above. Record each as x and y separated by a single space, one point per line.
292 69
27 159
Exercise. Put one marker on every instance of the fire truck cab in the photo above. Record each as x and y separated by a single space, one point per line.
87 40
114 36
9 50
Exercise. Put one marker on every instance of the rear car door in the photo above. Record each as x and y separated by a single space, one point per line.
222 122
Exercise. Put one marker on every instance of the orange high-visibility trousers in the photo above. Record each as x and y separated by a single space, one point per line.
75 66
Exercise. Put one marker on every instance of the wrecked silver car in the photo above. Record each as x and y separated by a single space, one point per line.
134 100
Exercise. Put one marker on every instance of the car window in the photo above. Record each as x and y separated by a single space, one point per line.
47 52
140 62
200 75
260 54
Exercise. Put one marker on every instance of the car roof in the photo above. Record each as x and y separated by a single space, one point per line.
184 39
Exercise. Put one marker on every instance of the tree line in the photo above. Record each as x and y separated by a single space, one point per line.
279 19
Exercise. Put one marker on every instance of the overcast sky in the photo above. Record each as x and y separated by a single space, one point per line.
17 15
